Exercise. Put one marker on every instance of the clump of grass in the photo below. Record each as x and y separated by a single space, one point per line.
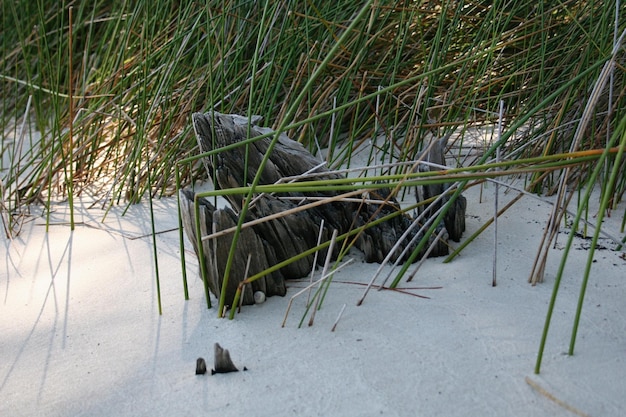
111 90
406 70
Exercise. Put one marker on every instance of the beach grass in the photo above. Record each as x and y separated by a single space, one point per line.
111 86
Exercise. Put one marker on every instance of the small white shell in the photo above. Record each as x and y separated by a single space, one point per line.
259 297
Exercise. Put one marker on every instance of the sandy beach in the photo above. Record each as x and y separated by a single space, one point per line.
81 333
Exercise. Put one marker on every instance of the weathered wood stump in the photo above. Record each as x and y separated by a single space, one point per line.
271 242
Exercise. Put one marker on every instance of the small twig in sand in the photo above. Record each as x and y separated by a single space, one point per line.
419 235
551 397
403 290
338 317
329 255
302 291
495 203
428 251
319 241
415 223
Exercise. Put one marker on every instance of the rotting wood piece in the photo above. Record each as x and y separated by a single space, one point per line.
223 364
282 238
215 251
454 219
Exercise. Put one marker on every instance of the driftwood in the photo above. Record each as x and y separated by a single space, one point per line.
271 242
454 219
200 366
222 362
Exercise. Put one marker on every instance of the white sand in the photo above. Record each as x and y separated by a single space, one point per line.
81 334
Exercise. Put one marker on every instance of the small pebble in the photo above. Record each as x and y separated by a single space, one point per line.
259 297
